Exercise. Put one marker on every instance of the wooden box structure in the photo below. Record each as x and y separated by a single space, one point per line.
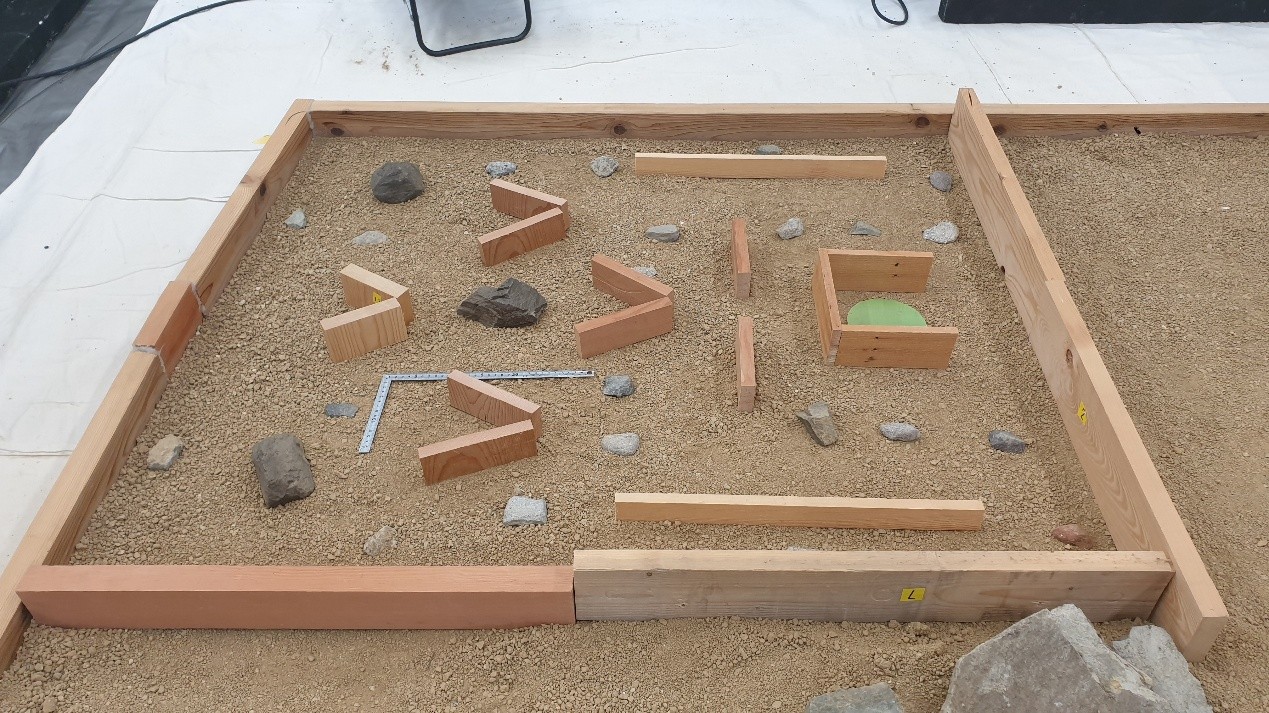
1157 572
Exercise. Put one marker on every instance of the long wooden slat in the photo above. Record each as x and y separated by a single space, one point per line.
794 511
491 404
171 324
759 166
746 366
621 329
227 597
87 475
863 586
741 270
896 347
522 236
634 288
879 271
478 451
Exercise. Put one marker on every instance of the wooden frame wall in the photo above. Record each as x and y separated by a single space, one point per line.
1134 502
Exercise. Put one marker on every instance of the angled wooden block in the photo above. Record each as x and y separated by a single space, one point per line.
878 271
756 166
477 451
621 329
634 288
363 288
521 202
526 235
792 511
746 370
742 273
491 404
828 316
364 330
171 324
896 347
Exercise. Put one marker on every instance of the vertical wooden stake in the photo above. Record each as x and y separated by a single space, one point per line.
740 269
746 370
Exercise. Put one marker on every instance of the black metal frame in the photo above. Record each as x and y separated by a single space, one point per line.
418 34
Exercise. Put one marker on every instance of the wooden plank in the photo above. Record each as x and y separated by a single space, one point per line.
792 511
364 330
520 202
896 347
228 597
828 316
87 475
363 288
742 272
746 368
634 585
235 227
621 329
523 236
171 325
634 288
1084 120
880 271
491 404
479 451
759 166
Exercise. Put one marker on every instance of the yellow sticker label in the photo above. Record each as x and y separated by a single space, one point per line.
913 594
262 140
379 298
1082 413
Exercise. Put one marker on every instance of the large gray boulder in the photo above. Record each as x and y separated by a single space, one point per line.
397 182
282 469
877 698
511 304
1151 651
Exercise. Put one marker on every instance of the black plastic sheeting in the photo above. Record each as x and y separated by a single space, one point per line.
1120 12
26 28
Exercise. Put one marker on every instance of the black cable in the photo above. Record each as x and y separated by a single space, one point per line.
114 48
902 6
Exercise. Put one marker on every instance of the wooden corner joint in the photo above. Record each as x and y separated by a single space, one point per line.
363 288
517 426
380 311
544 219
628 285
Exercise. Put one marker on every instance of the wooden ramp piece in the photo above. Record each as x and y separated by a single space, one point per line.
521 237
634 288
223 597
741 271
792 511
521 202
363 287
755 166
490 403
634 585
879 271
621 329
364 330
746 369
475 452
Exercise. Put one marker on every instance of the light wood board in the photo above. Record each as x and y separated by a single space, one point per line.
634 288
759 166
741 270
896 347
521 237
746 366
478 451
171 324
879 271
364 330
621 329
794 511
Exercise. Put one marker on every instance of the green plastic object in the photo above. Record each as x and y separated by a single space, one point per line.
884 313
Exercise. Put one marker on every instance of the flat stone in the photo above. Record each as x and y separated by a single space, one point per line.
768 150
819 423
604 166
877 698
498 169
341 410
1151 651
1073 535
397 182
370 237
621 444
942 232
1006 441
1055 656
646 270
522 511
383 540
941 180
297 220
165 452
663 233
792 228
282 469
618 385
511 304
862 228
900 431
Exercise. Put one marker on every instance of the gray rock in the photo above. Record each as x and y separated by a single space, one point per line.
397 182
297 220
524 511
862 228
498 169
1006 441
1151 651
819 423
899 431
663 233
383 540
511 304
791 229
621 444
1055 656
604 166
877 698
618 385
942 232
341 410
282 469
768 150
941 180
370 237
165 452
646 270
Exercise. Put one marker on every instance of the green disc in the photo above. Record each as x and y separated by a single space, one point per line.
884 313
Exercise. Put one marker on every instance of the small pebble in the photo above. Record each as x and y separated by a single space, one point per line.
899 431
522 511
646 270
1006 441
768 150
498 169
1073 535
941 180
663 233
621 444
297 220
819 423
791 229
370 237
943 232
165 452
618 385
862 228
604 166
49 705
341 410
384 539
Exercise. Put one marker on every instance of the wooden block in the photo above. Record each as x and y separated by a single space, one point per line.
896 347
171 324
877 271
363 288
634 288
491 404
746 370
228 597
521 202
364 330
519 238
621 329
756 166
740 269
478 451
791 511
637 585
828 316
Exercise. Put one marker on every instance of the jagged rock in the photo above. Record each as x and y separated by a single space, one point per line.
378 543
370 237
768 150
498 169
899 431
524 511
1006 441
165 452
942 232
663 233
297 220
792 228
621 444
604 166
618 385
877 698
511 304
282 469
941 180
862 228
1151 651
397 182
819 423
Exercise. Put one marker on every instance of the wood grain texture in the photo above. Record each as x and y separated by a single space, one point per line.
236 226
491 404
520 202
172 323
87 475
523 236
746 366
879 271
634 288
793 511
621 329
828 316
479 451
741 270
226 597
758 166
363 288
896 347
635 585
364 330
